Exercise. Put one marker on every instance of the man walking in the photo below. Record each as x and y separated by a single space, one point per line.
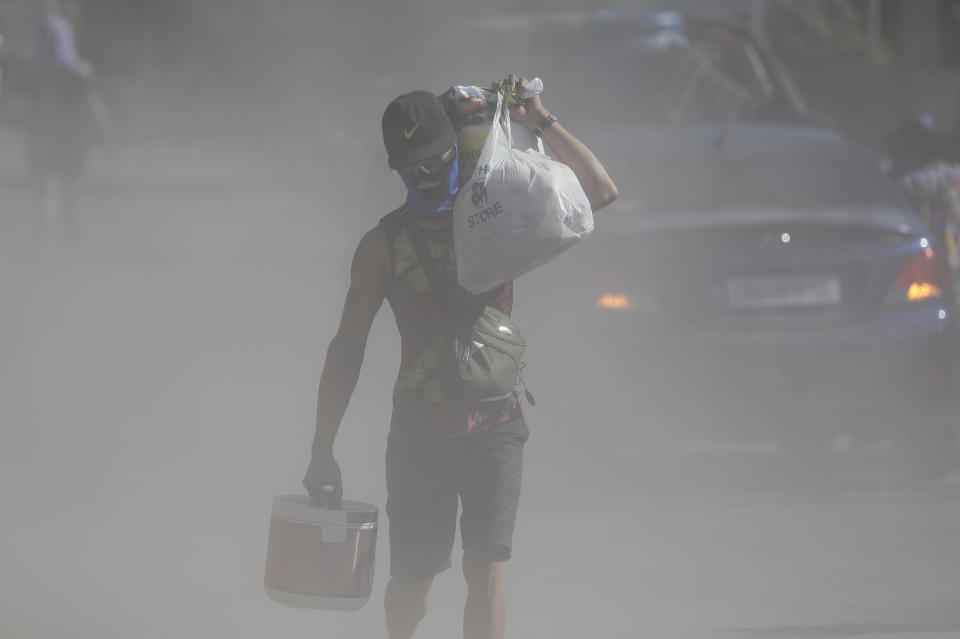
438 452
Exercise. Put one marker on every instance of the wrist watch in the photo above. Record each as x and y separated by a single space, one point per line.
548 121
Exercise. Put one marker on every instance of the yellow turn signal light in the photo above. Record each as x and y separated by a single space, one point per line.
923 290
615 302
921 278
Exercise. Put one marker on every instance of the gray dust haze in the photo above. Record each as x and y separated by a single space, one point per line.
160 353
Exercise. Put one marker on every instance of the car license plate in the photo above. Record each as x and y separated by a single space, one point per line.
768 292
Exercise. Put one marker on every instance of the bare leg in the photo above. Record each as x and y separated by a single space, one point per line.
405 603
485 614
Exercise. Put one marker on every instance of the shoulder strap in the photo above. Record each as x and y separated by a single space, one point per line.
392 223
443 292
427 262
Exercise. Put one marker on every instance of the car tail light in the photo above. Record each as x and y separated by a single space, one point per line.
615 302
922 277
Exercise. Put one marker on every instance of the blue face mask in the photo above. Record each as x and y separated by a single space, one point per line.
437 201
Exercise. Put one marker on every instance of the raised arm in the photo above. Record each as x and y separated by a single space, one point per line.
596 183
341 369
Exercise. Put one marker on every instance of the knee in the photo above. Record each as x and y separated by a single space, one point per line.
482 568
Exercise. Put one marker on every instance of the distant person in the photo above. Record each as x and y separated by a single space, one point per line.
932 182
67 117
439 452
2 57
8 65
11 68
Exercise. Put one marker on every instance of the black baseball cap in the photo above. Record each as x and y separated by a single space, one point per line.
416 127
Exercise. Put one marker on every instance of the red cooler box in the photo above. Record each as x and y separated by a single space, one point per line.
319 557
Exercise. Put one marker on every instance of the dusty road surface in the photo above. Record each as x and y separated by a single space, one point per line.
157 389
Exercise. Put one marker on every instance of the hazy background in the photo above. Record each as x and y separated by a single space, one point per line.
158 368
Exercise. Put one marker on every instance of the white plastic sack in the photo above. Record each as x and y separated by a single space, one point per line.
518 211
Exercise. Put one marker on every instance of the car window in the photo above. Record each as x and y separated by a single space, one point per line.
831 177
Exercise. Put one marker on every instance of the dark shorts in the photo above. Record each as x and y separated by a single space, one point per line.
424 482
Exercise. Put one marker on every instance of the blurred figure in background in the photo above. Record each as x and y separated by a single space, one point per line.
933 183
11 69
1 56
67 117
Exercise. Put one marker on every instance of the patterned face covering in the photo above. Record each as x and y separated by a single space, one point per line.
432 196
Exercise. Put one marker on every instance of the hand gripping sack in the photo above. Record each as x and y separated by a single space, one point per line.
519 210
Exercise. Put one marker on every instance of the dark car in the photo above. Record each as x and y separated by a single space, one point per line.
759 273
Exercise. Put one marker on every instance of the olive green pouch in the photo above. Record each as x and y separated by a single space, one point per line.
482 360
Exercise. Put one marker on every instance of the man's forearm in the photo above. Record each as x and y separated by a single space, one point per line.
341 370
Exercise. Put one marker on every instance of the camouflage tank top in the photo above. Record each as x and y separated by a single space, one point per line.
420 411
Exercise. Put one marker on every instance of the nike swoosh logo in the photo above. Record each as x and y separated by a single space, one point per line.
409 133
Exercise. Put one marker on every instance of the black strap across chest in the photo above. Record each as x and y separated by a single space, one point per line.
460 309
